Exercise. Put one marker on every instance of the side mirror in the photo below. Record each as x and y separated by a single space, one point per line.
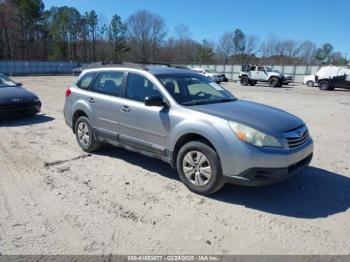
18 84
154 101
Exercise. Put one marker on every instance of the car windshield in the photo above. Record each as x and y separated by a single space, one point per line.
194 89
5 81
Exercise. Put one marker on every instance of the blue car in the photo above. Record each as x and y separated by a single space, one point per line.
15 101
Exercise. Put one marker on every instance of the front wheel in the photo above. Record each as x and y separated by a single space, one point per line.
244 80
310 83
85 135
199 168
324 85
274 82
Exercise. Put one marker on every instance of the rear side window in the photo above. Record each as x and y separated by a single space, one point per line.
110 83
139 87
86 80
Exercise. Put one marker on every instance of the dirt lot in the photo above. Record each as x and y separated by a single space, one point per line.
55 199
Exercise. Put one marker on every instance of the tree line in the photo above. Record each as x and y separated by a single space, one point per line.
29 32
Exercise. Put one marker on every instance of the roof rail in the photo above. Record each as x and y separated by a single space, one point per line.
135 65
125 64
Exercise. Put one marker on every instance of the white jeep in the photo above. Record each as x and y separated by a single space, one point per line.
252 74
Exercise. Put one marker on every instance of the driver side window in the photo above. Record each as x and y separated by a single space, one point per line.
139 87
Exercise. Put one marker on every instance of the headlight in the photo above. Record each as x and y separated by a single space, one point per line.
253 136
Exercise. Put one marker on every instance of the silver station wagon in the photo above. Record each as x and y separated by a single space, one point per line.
188 121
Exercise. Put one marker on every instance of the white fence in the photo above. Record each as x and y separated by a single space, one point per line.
36 67
232 71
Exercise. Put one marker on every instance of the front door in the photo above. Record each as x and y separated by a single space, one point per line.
141 126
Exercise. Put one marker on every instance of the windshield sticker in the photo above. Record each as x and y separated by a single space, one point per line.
216 86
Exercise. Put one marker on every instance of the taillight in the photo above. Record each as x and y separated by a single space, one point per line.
68 92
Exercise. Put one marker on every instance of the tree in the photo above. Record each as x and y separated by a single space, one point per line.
92 22
323 53
306 52
226 45
29 14
146 31
205 52
238 41
336 58
117 32
182 35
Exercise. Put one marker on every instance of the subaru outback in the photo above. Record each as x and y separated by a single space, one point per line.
188 121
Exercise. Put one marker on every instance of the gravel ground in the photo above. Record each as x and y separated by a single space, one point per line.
55 199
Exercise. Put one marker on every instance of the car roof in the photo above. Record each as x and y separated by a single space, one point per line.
152 69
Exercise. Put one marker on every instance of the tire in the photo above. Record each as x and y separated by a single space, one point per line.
324 85
85 135
274 82
195 180
244 81
310 83
252 83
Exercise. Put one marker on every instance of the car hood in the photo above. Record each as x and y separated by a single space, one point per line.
267 119
9 93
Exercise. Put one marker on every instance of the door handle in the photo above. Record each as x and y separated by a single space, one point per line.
91 100
125 109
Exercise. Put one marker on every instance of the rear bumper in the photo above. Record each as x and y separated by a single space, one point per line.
268 176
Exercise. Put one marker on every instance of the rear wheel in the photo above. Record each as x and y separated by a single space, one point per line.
85 135
310 83
199 168
244 80
274 82
324 85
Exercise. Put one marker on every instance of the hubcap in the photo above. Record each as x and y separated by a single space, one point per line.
196 168
83 133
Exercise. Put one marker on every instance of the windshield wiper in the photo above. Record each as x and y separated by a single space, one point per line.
209 101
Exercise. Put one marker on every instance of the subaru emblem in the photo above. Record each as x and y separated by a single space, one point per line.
299 133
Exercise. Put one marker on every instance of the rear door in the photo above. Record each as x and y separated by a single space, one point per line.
106 101
342 81
144 127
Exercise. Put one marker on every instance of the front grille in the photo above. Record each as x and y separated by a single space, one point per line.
16 106
18 109
297 137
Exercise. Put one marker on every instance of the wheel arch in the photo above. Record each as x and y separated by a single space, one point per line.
186 138
78 113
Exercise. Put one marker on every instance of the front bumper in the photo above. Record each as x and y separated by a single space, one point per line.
245 164
268 176
19 109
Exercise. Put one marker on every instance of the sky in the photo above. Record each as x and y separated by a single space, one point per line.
320 21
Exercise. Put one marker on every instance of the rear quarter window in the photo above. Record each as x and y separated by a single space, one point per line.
86 80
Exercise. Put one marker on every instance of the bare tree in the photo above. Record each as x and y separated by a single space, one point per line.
182 33
226 46
252 47
290 49
146 31
307 51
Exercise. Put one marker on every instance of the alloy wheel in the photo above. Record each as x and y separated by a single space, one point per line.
83 133
196 168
